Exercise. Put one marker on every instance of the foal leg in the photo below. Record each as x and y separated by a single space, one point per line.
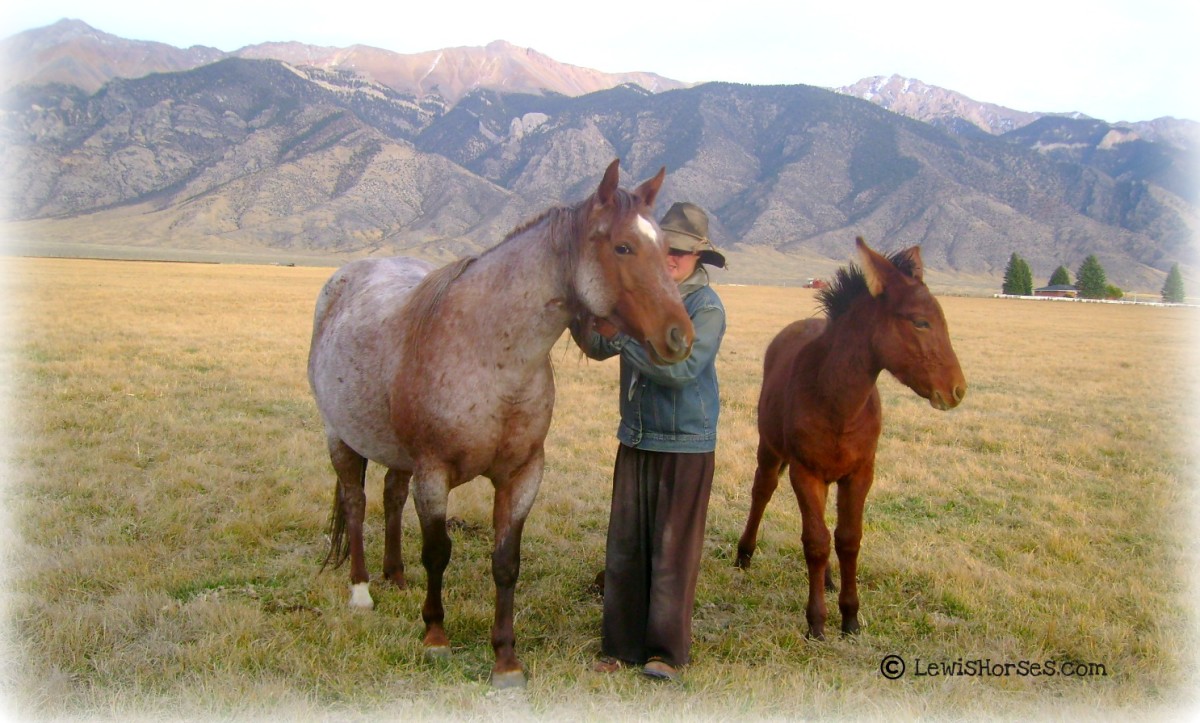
852 495
430 493
513 500
395 494
766 479
811 493
351 468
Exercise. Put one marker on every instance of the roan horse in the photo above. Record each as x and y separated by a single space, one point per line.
444 376
819 410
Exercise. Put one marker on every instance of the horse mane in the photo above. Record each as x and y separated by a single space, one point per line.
427 296
564 228
850 283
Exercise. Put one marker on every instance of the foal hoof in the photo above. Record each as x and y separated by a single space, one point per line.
508 679
743 560
360 597
437 652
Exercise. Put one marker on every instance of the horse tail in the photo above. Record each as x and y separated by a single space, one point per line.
339 543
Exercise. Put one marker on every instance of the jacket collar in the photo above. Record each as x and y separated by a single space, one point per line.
695 282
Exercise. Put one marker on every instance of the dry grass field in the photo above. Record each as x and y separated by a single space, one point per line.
167 491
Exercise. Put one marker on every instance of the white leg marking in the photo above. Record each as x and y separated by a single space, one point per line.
360 597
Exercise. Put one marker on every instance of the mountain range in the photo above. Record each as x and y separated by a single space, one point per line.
290 149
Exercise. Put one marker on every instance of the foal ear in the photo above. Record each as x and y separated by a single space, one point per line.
875 267
914 259
608 186
648 191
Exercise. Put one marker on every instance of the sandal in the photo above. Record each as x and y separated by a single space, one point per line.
659 669
605 664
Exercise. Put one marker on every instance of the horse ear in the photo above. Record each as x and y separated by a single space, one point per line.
648 191
608 186
918 266
875 267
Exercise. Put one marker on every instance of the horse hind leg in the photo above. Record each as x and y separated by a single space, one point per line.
395 494
430 494
346 521
766 480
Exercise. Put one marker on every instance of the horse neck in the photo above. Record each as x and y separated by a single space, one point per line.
848 370
527 285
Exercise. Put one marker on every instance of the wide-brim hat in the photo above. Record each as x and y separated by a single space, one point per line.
685 228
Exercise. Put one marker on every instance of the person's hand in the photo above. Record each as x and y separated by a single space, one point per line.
604 327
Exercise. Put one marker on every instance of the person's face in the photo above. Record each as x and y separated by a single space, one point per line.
681 264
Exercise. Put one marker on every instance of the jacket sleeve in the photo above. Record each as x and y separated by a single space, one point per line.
592 343
709 325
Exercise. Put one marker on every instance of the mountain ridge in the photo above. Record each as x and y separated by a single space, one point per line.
297 158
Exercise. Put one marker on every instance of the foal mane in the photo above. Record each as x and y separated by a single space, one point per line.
849 283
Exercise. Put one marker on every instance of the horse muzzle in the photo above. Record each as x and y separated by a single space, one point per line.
677 346
942 402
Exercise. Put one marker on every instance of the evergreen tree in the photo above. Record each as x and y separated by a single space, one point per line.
1172 290
1018 279
1091 281
1060 277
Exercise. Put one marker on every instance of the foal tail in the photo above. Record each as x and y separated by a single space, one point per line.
339 544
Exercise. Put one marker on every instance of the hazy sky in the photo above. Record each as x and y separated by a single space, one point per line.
1111 59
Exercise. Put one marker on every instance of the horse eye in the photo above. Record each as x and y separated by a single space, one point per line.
920 323
624 249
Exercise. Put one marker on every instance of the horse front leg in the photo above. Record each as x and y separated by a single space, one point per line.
430 494
395 494
513 500
852 497
351 468
811 492
766 480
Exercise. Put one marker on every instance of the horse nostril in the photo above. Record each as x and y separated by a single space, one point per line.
960 392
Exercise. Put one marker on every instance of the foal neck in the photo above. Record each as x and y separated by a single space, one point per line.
848 369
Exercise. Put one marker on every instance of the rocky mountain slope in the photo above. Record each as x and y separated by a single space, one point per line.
265 154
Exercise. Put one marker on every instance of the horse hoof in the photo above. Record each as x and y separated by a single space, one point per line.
360 597
742 562
509 679
437 652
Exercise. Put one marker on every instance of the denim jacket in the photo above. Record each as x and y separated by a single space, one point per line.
671 408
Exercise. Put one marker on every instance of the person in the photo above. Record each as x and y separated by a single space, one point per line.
663 472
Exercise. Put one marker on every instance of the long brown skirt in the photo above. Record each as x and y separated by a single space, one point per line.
655 539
